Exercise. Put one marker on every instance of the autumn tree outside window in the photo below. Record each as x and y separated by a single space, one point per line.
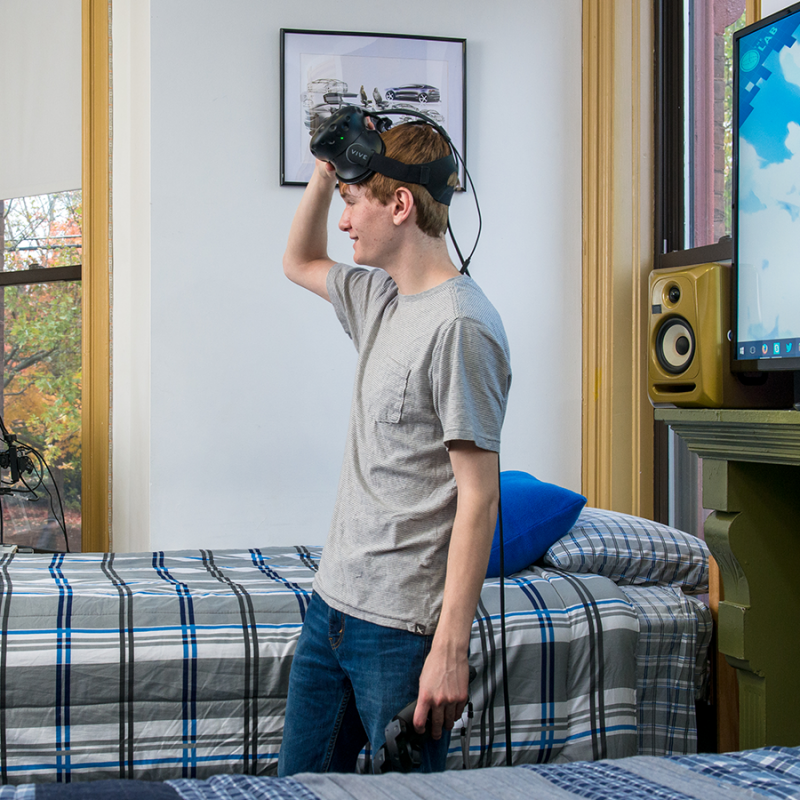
40 335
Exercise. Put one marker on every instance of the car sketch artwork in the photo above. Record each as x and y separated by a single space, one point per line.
419 92
325 96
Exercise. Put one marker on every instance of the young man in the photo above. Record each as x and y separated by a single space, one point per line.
402 569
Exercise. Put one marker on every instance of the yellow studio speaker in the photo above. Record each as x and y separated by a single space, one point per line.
689 353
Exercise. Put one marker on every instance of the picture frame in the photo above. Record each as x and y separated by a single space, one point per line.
321 71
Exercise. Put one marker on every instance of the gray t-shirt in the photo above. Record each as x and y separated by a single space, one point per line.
432 368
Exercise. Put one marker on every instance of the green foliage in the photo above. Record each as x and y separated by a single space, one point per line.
41 334
727 123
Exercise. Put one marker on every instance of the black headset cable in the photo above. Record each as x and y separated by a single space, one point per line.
504 660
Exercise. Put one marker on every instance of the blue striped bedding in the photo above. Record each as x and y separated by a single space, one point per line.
770 772
174 665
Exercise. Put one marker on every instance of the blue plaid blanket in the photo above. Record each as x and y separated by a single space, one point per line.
772 772
174 665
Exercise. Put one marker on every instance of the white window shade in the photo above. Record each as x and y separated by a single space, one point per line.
771 6
40 97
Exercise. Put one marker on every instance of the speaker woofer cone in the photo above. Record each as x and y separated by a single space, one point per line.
675 345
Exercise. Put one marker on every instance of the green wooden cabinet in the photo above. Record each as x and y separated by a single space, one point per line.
751 480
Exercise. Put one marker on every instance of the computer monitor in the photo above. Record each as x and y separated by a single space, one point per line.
766 195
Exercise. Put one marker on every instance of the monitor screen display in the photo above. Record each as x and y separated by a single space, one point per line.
767 193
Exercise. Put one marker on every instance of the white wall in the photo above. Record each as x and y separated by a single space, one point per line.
131 306
249 377
771 6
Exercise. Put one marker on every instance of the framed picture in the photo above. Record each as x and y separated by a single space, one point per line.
321 71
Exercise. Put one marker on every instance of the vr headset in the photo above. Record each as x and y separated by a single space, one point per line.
357 151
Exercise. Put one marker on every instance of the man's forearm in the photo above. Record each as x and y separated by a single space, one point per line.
444 683
307 245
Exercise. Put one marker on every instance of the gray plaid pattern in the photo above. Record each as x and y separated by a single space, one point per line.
570 646
632 550
170 665
671 657
738 776
772 771
241 787
150 665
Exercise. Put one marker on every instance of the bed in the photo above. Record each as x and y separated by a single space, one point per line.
174 665
770 772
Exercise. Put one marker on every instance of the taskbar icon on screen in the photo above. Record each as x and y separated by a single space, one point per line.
769 348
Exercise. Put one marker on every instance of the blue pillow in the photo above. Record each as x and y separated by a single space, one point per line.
535 514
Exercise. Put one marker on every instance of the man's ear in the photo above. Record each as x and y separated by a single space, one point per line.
402 205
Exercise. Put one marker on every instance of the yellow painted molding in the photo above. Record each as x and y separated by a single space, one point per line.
639 264
617 434
598 131
96 303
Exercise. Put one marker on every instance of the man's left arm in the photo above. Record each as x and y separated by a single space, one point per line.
444 682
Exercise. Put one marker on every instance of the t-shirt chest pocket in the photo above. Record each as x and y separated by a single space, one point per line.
385 391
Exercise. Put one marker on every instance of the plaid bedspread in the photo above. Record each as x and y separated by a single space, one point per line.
771 772
570 644
675 633
169 665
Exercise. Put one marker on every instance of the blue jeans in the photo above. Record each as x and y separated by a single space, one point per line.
349 678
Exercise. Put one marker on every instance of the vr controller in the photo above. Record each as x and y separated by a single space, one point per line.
402 750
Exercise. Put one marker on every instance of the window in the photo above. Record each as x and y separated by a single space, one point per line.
40 397
694 150
694 40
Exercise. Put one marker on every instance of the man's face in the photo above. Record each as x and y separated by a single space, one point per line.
369 225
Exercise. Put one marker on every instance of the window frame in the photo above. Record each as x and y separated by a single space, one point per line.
96 511
670 208
669 237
